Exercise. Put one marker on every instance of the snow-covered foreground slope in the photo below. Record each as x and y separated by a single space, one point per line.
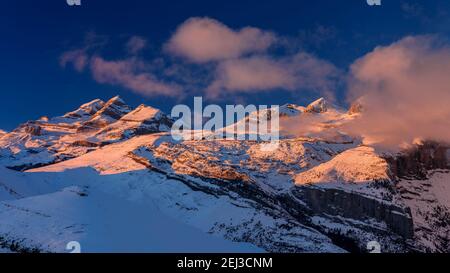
101 223
113 179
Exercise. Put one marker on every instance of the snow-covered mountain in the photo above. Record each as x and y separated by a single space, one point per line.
94 124
112 178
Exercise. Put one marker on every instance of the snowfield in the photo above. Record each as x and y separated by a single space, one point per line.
358 165
102 223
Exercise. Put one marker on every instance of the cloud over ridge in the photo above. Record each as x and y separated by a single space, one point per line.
405 92
130 73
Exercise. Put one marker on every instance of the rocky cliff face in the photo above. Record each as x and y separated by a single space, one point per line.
423 184
359 207
31 128
417 161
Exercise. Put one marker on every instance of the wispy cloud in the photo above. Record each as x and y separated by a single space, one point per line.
220 61
310 39
135 45
204 39
77 57
131 74
262 73
412 9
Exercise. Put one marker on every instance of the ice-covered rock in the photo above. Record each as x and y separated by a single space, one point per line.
112 111
318 106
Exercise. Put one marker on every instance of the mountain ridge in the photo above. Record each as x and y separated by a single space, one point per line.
317 192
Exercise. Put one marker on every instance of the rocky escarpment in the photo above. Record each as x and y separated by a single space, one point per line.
31 128
356 206
422 181
414 163
417 161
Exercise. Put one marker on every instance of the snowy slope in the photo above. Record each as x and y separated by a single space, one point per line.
15 185
102 223
208 208
360 165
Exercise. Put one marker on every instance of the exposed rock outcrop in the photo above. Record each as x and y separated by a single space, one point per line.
318 106
86 110
112 111
357 206
417 161
30 128
355 108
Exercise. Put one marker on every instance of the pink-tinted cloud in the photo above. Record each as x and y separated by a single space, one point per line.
131 74
262 73
203 39
232 61
78 58
135 45
405 92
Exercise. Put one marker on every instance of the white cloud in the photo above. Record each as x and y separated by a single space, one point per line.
405 90
203 39
263 73
228 61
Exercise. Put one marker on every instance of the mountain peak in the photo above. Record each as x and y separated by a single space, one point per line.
142 113
116 100
318 106
288 110
356 108
142 120
113 110
86 110
93 103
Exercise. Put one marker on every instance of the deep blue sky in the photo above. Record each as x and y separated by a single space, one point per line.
34 34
